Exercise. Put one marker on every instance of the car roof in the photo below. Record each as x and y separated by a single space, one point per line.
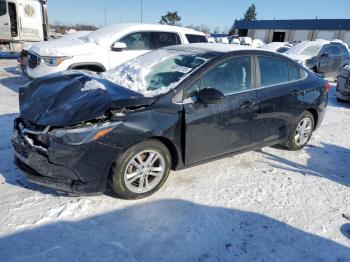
105 34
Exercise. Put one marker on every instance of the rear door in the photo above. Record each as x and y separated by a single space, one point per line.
5 27
215 129
279 87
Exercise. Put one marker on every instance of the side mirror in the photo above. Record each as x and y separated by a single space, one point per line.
210 96
119 46
325 55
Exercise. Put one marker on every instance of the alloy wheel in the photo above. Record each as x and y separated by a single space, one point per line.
144 171
303 131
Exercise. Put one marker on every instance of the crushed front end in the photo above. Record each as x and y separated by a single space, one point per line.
75 163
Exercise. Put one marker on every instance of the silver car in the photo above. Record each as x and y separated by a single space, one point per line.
343 84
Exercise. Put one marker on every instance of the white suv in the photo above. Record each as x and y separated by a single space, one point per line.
106 48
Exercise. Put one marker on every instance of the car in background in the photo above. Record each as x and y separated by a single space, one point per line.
168 109
279 47
343 85
321 56
106 48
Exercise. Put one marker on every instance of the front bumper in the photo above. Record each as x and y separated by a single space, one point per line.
74 169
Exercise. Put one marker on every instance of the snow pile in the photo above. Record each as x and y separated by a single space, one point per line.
93 85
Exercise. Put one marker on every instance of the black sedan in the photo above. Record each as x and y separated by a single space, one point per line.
168 109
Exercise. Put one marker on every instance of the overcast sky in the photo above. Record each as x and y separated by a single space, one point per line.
210 12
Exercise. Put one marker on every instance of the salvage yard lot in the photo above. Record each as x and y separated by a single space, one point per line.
269 205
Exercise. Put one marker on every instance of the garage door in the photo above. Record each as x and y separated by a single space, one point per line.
300 35
347 38
327 35
260 34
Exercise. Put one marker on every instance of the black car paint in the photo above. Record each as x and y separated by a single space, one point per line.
193 132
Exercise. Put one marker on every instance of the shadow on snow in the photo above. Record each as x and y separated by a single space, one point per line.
170 230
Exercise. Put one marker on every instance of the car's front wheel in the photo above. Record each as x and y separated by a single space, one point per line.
141 170
301 132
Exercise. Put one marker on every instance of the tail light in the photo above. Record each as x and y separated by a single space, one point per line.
327 86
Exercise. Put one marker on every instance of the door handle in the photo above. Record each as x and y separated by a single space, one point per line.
247 104
297 91
6 24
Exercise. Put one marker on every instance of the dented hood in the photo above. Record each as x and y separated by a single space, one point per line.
65 99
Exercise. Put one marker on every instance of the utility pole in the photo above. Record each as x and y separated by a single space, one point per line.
105 16
141 11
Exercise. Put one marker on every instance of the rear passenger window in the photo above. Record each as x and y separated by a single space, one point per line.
335 51
3 10
231 76
294 73
273 71
196 39
162 39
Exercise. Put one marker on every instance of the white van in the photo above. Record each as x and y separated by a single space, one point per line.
106 48
23 21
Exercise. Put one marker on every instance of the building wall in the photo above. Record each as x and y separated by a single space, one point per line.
296 36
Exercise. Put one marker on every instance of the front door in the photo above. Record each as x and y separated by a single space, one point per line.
215 129
5 26
326 61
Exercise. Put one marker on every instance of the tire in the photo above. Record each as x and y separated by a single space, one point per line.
134 163
295 142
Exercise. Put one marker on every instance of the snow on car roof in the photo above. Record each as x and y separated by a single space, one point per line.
297 49
112 32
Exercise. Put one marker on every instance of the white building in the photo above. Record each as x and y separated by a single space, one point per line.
295 31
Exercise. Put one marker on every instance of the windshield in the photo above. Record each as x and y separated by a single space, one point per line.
157 72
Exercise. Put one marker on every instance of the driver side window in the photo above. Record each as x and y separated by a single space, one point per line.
229 77
137 41
326 51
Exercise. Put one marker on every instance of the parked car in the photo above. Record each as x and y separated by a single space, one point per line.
343 85
106 48
279 47
258 43
167 109
245 40
324 57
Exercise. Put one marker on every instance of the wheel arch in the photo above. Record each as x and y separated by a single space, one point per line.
174 153
93 66
314 113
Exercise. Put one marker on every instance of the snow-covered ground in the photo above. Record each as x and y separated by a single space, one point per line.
267 205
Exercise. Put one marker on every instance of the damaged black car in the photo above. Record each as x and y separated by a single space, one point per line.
171 108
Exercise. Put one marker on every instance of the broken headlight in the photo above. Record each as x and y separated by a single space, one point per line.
79 136
54 61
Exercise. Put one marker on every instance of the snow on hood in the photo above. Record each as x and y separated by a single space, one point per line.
64 47
72 97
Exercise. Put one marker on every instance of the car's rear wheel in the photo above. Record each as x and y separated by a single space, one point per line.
141 170
301 132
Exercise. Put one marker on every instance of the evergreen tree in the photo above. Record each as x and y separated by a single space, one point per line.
171 18
250 14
